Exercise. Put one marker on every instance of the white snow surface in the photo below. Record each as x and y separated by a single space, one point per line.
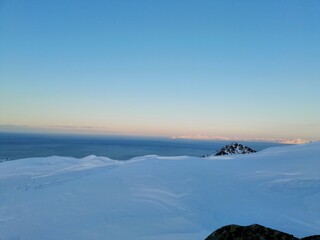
155 198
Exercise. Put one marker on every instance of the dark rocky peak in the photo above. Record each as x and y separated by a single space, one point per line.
253 232
234 148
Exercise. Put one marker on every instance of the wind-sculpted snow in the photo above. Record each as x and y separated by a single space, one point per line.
154 197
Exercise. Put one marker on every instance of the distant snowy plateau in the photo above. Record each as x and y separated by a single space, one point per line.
155 198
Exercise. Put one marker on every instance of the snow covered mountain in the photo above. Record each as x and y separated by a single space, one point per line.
234 148
155 198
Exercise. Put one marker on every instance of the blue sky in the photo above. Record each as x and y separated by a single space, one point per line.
243 69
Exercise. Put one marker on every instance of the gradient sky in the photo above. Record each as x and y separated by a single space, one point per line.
248 69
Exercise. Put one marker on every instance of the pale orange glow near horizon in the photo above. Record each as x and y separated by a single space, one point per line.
147 131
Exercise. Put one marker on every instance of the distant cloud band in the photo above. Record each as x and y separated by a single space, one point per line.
202 137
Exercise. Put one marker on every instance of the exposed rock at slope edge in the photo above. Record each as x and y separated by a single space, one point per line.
252 232
234 148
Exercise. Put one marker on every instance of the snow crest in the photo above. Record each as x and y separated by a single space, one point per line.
156 197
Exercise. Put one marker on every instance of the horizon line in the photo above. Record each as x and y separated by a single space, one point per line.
31 130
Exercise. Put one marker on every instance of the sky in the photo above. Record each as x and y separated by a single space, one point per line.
186 68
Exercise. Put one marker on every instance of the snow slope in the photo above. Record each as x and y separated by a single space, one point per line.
154 197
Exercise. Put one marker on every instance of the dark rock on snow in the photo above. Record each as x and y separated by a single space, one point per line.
314 237
234 148
253 232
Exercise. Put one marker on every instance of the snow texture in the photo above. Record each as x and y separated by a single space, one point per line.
155 197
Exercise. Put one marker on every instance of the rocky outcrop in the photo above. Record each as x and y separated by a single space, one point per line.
253 232
314 237
234 148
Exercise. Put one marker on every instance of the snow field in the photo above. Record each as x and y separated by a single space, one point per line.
154 197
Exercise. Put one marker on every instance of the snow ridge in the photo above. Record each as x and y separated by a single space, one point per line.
155 198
